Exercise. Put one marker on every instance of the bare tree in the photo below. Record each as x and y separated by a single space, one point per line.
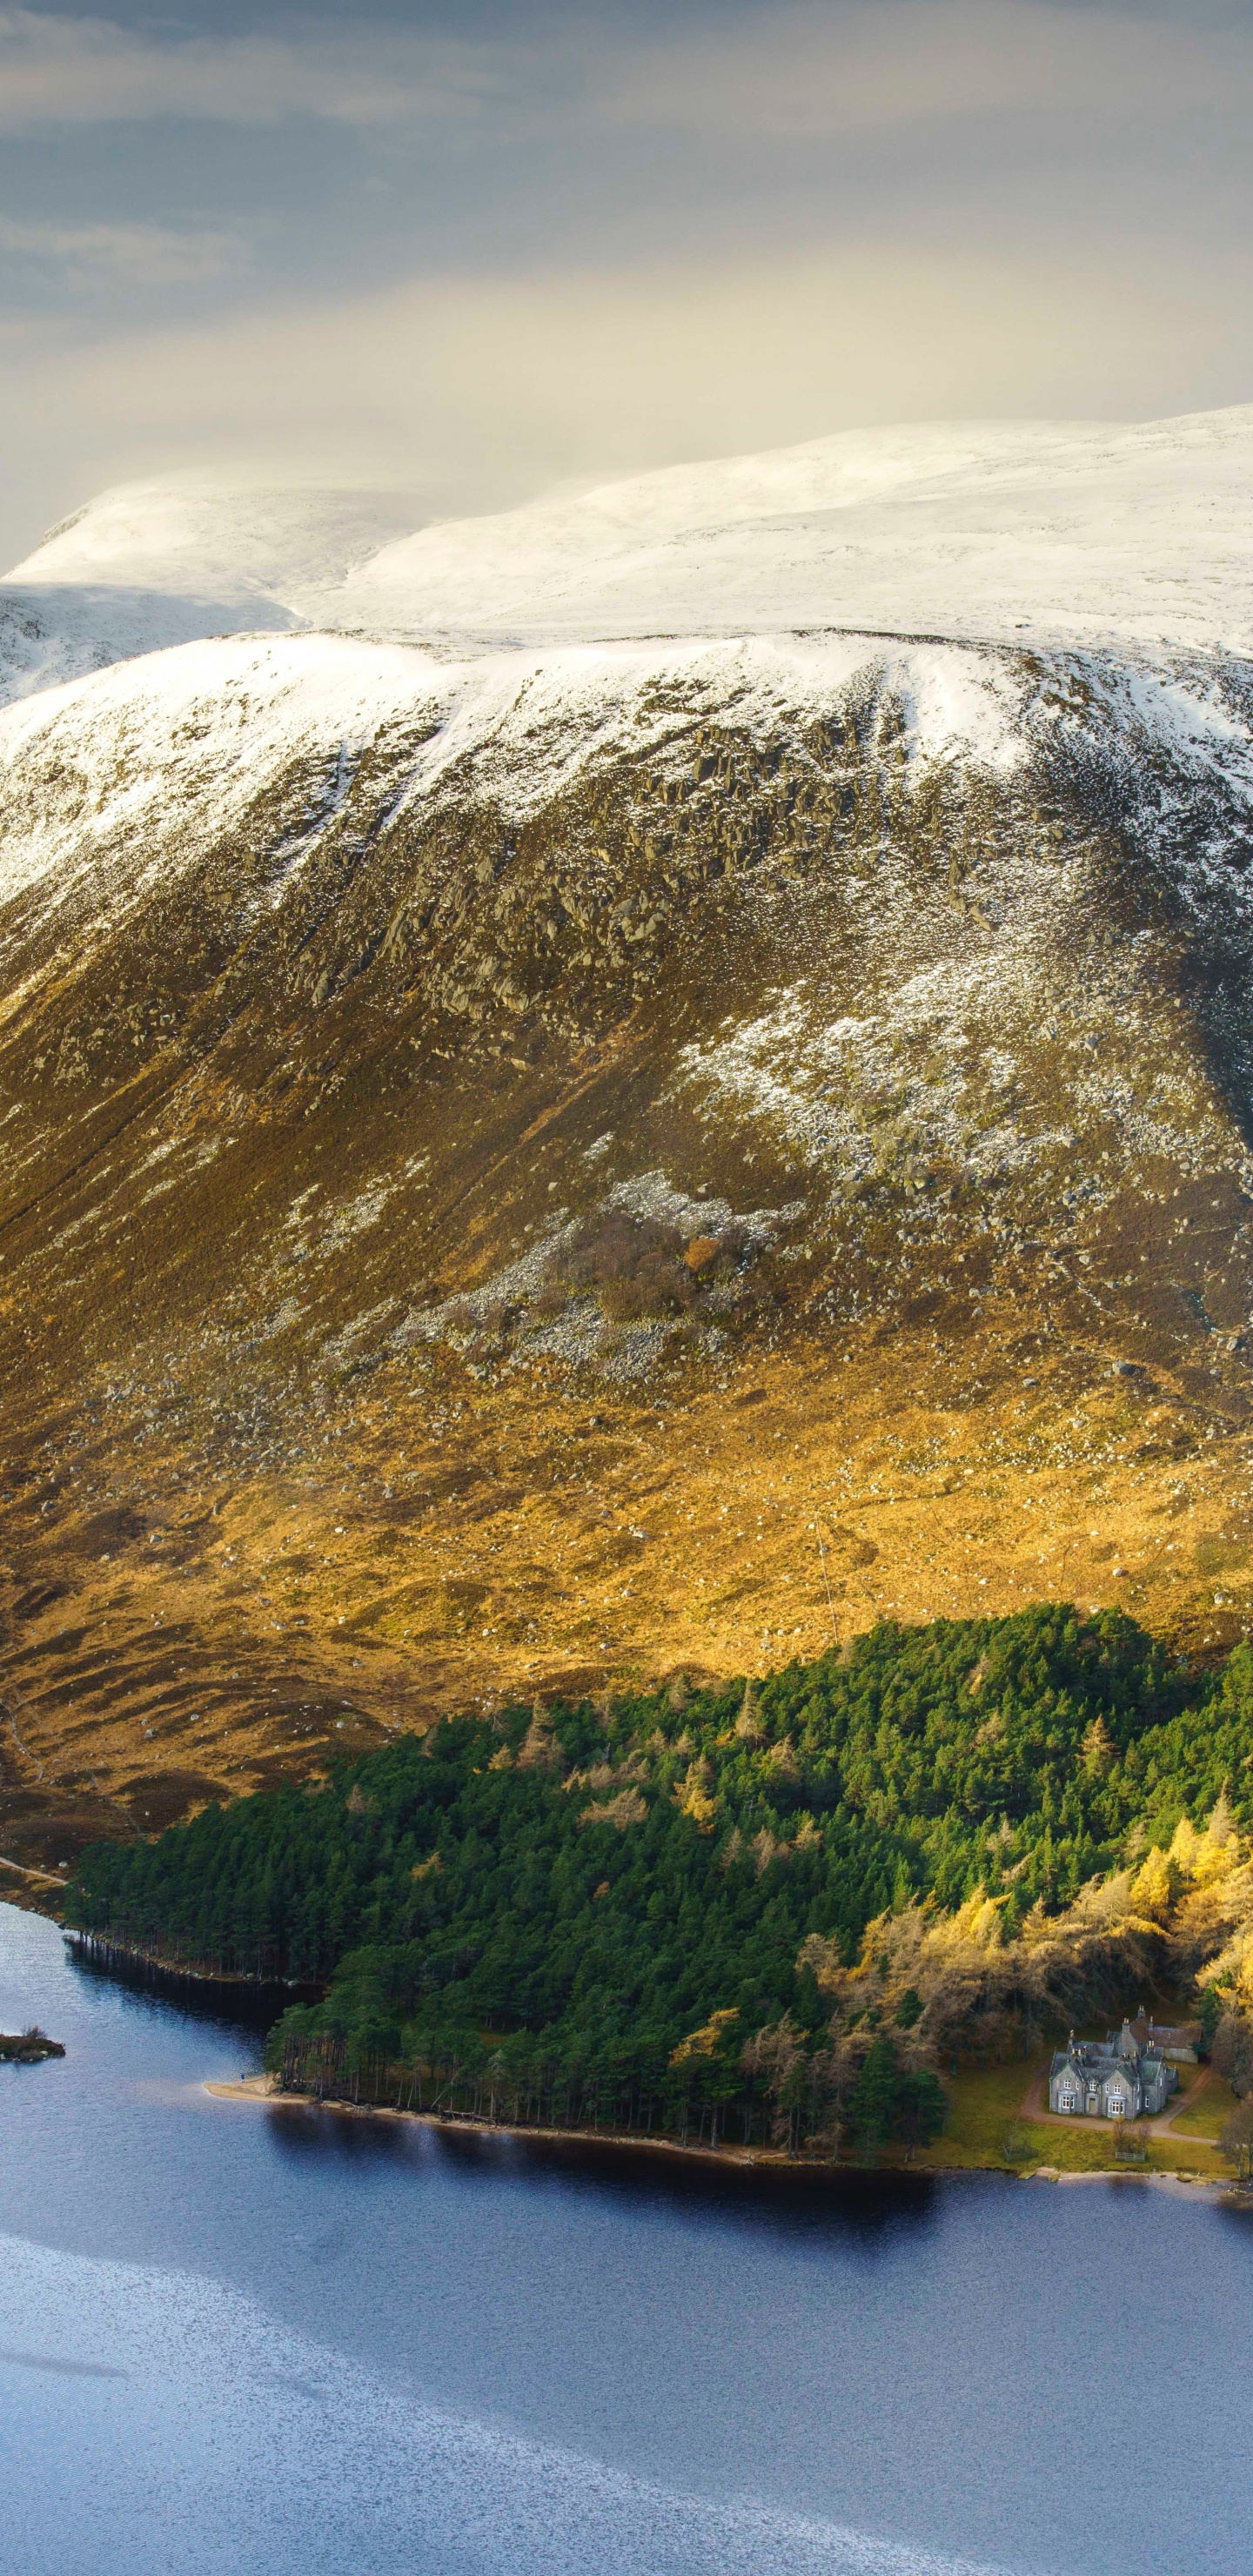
1236 2140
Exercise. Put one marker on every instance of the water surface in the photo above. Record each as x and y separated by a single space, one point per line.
241 2339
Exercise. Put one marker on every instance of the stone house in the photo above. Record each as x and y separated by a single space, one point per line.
1175 2040
1117 2078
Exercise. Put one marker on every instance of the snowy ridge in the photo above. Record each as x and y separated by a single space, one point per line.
1049 534
237 709
154 565
1054 533
259 641
174 748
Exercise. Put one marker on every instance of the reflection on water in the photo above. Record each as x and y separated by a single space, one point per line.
226 2006
861 2203
332 2343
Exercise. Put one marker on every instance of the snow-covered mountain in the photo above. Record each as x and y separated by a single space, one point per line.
159 564
1053 534
472 997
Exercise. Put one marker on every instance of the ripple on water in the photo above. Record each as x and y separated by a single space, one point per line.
179 2428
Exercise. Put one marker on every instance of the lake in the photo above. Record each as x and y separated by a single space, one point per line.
236 2339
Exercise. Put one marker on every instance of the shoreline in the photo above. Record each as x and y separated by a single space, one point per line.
119 1959
262 2092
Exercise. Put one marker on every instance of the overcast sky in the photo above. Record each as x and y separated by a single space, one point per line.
487 247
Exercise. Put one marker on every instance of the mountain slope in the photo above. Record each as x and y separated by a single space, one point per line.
533 1165
157 564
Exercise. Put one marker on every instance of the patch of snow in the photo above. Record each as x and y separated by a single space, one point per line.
293 853
282 1319
370 1321
188 740
921 1080
355 1216
629 1352
581 1335
650 1194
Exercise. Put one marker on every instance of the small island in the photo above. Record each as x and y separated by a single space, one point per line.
28 2047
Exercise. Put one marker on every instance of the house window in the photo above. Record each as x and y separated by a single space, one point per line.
1117 2107
1065 2101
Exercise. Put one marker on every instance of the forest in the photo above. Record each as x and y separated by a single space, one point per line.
777 1910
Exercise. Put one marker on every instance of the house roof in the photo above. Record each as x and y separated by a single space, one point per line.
1092 2069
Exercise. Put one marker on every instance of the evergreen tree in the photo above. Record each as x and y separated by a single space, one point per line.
590 1889
872 2110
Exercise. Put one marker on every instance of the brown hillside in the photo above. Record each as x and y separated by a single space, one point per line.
628 1197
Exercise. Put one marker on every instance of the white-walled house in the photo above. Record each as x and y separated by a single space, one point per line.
1112 2079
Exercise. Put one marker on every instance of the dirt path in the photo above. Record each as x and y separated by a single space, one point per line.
45 1877
1184 2102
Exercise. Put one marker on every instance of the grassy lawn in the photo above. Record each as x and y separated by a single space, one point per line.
985 2109
985 2102
1206 2117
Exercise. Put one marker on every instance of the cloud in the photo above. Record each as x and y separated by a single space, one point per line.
142 254
89 71
487 390
847 69
815 214
832 67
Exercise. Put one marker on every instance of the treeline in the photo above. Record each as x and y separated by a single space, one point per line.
771 2090
639 1914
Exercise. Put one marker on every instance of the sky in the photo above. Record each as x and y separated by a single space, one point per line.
486 249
